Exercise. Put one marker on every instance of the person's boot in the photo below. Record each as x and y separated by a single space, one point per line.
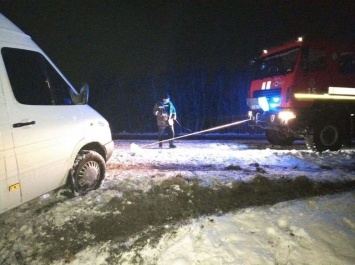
171 145
160 145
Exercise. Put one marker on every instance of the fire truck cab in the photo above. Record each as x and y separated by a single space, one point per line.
305 89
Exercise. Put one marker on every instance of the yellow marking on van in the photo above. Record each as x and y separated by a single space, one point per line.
14 187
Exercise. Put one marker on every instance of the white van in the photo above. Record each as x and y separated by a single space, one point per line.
49 136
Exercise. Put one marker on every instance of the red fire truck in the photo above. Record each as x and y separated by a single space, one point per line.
305 89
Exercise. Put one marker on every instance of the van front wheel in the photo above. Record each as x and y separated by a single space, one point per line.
88 171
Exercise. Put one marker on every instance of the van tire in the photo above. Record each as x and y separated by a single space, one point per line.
88 171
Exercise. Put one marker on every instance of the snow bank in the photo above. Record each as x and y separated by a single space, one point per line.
315 231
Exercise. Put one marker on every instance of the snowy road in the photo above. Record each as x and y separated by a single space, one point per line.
205 202
196 158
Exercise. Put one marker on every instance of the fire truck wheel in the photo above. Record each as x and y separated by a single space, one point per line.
88 171
326 136
279 138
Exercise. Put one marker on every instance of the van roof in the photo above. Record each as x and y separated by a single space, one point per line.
7 25
9 32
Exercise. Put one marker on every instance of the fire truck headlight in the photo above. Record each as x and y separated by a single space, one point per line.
286 115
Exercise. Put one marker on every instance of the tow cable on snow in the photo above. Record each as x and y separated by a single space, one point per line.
182 127
134 147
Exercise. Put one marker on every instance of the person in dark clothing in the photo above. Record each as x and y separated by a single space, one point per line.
166 114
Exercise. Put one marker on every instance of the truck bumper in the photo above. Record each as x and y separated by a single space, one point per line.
286 121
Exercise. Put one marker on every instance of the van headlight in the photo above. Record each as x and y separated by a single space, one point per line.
286 115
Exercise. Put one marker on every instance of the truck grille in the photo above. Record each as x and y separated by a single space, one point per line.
268 93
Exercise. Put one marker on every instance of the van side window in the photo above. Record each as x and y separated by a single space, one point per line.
347 63
316 59
33 79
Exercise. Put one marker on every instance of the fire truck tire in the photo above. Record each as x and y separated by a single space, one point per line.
326 136
279 138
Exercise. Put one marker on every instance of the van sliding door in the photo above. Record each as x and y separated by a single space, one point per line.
10 193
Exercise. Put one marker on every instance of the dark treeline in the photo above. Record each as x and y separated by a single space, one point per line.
203 98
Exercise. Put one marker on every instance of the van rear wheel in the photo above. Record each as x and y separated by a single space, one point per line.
88 171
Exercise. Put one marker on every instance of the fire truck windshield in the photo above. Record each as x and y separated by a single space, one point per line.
280 63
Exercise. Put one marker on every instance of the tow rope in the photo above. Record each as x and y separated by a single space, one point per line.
134 146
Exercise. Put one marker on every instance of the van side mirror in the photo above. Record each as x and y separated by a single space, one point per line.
83 97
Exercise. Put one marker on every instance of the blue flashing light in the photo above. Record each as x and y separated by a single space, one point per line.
267 104
263 103
274 102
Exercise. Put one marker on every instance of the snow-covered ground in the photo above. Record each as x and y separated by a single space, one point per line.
205 202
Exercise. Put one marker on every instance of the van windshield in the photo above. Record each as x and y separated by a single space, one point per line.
34 80
276 64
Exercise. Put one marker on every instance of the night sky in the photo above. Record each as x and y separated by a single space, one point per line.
130 52
130 38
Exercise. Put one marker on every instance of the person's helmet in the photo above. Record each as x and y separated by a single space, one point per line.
166 96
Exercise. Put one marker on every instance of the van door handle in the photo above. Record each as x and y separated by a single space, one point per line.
21 124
